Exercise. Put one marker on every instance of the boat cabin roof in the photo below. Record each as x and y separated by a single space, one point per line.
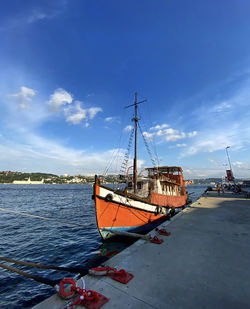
165 169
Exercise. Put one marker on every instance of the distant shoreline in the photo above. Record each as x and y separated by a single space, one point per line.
66 183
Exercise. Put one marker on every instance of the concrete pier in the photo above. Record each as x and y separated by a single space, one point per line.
204 263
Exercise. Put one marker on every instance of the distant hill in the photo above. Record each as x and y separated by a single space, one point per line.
202 181
9 177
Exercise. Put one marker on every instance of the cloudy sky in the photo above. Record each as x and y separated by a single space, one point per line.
68 69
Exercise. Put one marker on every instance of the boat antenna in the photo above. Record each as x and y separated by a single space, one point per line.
135 119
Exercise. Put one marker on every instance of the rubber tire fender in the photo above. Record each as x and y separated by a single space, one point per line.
109 197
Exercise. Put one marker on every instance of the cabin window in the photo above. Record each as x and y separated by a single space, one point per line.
130 185
139 185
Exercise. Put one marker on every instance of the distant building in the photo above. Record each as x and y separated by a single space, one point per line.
188 182
28 182
246 183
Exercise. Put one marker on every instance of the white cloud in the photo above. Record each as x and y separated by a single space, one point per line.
128 128
178 146
37 153
202 172
167 135
75 113
90 94
238 164
148 135
38 15
211 160
112 119
181 145
24 97
192 134
93 111
109 119
158 133
174 136
222 122
170 131
159 127
234 133
240 170
59 98
210 142
30 13
221 107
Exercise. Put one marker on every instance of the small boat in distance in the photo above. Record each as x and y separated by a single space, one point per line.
146 200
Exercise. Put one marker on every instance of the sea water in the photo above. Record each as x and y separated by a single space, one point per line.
43 241
47 242
195 191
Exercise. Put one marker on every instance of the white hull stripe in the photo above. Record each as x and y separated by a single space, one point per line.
127 201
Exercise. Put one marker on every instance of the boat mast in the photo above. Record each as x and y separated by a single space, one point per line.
135 154
135 119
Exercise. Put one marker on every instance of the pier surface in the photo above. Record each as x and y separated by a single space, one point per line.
204 263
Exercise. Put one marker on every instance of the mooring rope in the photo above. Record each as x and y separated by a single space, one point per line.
77 270
81 271
42 218
27 275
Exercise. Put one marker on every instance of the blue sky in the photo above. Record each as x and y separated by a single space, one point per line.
68 69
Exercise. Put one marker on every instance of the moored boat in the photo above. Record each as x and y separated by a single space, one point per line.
146 201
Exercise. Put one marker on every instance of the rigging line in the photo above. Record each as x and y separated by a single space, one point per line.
152 141
124 164
119 145
128 209
110 162
137 216
144 216
123 130
116 215
42 218
108 204
114 154
132 211
132 207
147 146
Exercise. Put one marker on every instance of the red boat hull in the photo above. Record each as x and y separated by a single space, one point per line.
122 213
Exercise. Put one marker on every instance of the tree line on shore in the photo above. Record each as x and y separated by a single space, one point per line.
9 177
